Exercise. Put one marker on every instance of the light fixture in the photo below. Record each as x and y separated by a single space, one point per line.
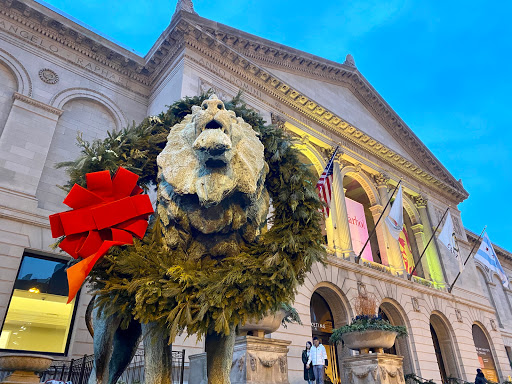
34 290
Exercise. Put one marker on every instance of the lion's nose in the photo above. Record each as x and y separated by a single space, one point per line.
213 141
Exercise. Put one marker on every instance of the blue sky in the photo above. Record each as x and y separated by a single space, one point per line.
444 67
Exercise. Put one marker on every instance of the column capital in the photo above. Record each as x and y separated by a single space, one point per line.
376 209
420 201
381 179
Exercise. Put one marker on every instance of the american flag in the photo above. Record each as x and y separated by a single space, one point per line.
324 185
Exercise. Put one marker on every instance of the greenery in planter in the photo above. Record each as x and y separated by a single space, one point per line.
363 323
366 306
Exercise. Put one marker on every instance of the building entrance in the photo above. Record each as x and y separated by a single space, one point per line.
322 325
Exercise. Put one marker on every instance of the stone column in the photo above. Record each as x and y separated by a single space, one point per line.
393 255
342 239
420 242
25 142
435 269
329 229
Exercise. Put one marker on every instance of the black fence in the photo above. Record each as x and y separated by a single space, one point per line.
78 371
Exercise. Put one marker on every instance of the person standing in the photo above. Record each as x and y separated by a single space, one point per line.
480 378
309 376
317 358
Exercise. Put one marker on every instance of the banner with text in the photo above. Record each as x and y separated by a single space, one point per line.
358 228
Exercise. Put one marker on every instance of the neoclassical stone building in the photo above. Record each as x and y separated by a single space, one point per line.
59 79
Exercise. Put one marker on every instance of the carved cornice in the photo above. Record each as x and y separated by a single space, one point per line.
278 56
219 52
38 104
129 65
241 54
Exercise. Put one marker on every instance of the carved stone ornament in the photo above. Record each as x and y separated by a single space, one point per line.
252 361
48 76
361 289
282 364
349 60
241 363
493 325
381 179
277 120
415 304
267 363
458 314
420 201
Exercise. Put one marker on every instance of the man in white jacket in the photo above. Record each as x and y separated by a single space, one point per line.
317 357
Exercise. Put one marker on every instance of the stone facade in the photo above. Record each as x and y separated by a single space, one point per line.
59 79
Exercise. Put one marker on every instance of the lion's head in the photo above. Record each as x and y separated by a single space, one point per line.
212 173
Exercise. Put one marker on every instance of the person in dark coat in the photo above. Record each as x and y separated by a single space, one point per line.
480 378
309 376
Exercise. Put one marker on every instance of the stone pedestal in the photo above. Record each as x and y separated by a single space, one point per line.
373 368
25 367
258 360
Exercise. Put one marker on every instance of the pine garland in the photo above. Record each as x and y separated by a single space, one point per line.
149 282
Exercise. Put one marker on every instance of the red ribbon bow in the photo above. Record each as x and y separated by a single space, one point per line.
109 212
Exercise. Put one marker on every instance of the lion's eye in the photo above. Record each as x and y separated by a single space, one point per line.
219 106
205 106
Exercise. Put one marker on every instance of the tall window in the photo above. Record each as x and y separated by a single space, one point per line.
38 318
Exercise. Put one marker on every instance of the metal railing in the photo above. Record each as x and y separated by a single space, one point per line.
78 371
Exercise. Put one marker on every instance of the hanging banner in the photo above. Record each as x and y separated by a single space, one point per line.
358 228
406 251
484 353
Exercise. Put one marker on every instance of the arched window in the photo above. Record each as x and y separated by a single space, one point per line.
485 355
80 115
9 86
390 311
328 312
443 347
360 220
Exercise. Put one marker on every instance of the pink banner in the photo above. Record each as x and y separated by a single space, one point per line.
358 228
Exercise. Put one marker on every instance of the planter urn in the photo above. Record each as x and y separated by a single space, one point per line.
375 339
25 367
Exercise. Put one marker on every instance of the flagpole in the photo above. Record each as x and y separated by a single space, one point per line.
470 253
426 247
358 258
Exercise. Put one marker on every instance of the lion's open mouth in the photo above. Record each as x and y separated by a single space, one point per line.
214 124
215 163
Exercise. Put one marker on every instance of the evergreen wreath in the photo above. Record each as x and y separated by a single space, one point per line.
150 283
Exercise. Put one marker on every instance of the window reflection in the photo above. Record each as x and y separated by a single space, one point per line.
38 318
